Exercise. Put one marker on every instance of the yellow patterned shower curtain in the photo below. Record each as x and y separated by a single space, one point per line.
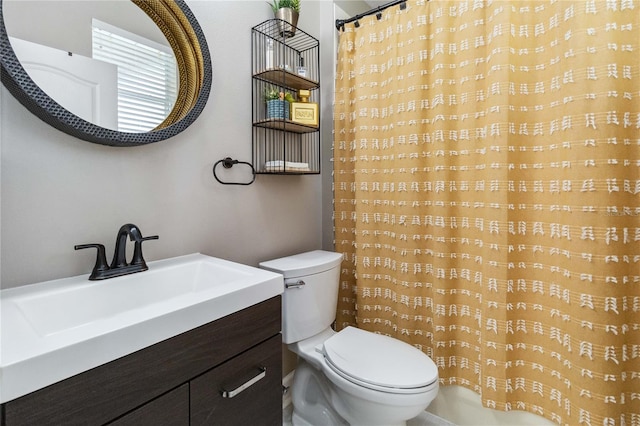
487 197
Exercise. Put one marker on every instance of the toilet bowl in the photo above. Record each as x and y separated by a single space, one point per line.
365 378
352 376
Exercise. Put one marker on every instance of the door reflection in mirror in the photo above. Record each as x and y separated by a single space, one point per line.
86 87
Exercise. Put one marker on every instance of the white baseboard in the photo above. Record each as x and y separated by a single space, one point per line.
287 381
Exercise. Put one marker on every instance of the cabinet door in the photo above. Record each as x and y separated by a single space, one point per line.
219 398
171 409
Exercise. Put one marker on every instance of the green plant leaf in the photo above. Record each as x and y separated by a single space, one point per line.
291 4
271 93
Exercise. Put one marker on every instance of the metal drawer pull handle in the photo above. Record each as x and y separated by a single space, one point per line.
297 284
236 391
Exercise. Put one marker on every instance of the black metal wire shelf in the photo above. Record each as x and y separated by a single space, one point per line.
286 125
287 79
288 172
288 64
301 41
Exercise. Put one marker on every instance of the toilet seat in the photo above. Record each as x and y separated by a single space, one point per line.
379 362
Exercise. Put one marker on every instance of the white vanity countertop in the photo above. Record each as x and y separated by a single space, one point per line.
53 330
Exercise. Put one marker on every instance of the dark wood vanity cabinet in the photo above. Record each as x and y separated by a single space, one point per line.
254 405
170 409
179 381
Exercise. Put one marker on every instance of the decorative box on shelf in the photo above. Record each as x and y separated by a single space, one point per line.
303 111
285 141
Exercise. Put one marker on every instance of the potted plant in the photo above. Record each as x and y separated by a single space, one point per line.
288 12
278 103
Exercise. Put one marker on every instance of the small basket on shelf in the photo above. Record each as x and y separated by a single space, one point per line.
278 103
278 109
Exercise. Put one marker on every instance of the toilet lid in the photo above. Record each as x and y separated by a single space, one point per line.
378 361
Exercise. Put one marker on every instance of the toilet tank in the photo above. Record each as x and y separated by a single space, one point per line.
310 297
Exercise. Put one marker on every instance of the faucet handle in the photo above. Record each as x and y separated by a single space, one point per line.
137 251
101 259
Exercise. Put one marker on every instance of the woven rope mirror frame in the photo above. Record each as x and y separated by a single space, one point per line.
182 31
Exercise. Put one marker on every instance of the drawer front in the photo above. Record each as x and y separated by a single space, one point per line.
111 390
171 409
246 390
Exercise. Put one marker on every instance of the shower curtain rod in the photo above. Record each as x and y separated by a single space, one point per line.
377 10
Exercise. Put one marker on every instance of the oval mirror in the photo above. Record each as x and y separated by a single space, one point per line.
114 105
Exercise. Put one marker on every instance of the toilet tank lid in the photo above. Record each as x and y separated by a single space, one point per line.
311 262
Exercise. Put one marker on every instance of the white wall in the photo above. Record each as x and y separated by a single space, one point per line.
58 191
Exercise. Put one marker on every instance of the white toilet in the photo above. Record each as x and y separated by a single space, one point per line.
351 377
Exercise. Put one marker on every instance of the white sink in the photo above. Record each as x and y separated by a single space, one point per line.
67 304
56 329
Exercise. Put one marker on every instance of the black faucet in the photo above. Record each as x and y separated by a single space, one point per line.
119 265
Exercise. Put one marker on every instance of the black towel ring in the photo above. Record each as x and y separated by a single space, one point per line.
228 163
